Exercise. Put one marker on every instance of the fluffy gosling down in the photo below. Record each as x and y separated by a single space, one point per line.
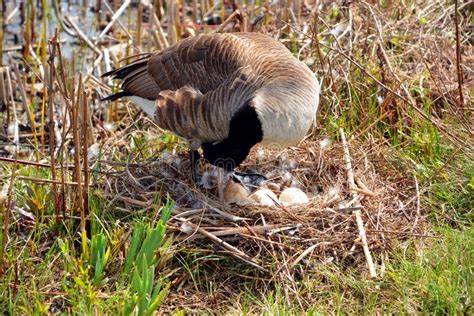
224 93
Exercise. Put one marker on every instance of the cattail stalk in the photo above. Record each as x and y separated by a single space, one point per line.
52 142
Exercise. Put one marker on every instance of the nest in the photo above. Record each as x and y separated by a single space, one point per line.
285 240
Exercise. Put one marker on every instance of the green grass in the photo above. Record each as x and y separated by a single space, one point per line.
438 279
451 198
435 280
108 272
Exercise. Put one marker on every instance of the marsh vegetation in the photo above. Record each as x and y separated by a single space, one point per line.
98 212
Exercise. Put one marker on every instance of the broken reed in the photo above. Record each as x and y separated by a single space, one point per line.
75 120
3 15
52 121
62 93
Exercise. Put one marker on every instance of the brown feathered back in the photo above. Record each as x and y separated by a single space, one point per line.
200 82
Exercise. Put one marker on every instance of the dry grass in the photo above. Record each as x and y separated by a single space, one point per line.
389 204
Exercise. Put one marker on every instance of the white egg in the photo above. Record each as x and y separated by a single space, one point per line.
291 196
264 197
275 187
237 194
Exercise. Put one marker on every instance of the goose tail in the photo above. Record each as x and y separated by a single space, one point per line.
116 96
122 72
137 85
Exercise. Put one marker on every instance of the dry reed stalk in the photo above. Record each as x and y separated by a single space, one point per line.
231 249
157 9
115 17
306 252
38 62
364 192
24 162
52 120
40 78
24 100
120 24
161 33
222 2
204 5
6 217
260 229
77 153
85 146
12 14
139 24
29 28
173 21
95 66
226 215
4 90
154 35
211 10
108 64
48 165
363 188
48 181
83 36
180 17
16 136
194 11
357 213
235 16
3 23
244 22
458 58
62 85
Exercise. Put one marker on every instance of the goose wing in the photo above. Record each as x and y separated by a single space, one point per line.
197 83
206 117
202 62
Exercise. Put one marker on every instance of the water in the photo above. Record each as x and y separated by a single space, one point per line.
85 17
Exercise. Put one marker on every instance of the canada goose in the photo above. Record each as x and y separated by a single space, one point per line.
224 93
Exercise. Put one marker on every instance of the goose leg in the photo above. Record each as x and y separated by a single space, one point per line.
221 182
194 157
